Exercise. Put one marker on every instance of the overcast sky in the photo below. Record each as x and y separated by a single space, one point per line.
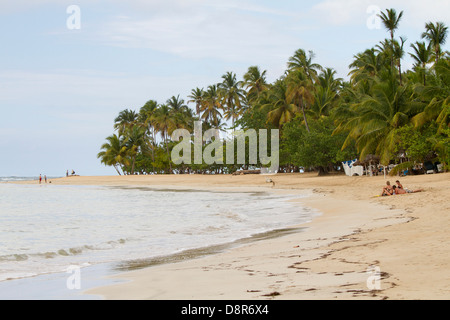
61 88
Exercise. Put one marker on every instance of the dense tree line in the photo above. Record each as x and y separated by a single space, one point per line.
382 110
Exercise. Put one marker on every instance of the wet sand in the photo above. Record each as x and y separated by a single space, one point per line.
361 246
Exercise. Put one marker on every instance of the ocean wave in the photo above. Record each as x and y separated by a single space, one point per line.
14 178
66 252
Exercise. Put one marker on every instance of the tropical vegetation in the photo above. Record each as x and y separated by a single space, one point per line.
382 110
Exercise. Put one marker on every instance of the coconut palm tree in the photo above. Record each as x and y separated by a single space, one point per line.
146 114
231 95
373 119
398 54
421 56
366 66
436 34
327 79
254 83
391 22
114 153
197 97
279 106
176 104
436 95
300 91
135 141
164 123
181 113
303 61
212 106
126 119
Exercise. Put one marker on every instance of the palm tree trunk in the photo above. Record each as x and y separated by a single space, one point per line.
132 165
424 75
304 115
392 53
152 146
115 167
167 148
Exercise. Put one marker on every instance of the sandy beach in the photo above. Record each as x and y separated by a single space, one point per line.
361 246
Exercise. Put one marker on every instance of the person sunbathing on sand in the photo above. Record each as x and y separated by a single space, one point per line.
398 190
387 190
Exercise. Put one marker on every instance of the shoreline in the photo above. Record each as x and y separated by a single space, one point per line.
332 259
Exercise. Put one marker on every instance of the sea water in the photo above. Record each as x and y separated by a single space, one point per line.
48 228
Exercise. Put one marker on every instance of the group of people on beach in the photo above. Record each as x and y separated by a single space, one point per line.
67 173
389 190
40 178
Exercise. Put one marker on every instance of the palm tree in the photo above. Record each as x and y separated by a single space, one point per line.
300 90
391 21
197 97
300 60
327 79
212 106
126 119
279 107
254 82
436 34
366 66
176 104
372 121
164 123
398 54
436 96
421 56
135 140
115 152
181 113
146 118
231 94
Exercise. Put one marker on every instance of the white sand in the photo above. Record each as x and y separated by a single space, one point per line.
405 237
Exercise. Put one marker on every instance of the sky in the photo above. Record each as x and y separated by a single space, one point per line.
65 75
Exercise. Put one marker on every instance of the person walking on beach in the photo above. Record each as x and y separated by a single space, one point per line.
40 178
67 173
45 178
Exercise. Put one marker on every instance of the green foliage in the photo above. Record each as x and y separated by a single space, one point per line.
382 110
316 148
414 143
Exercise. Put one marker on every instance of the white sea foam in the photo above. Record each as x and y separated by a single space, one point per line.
46 228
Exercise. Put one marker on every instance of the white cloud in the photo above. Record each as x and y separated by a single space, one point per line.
223 33
353 12
340 12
